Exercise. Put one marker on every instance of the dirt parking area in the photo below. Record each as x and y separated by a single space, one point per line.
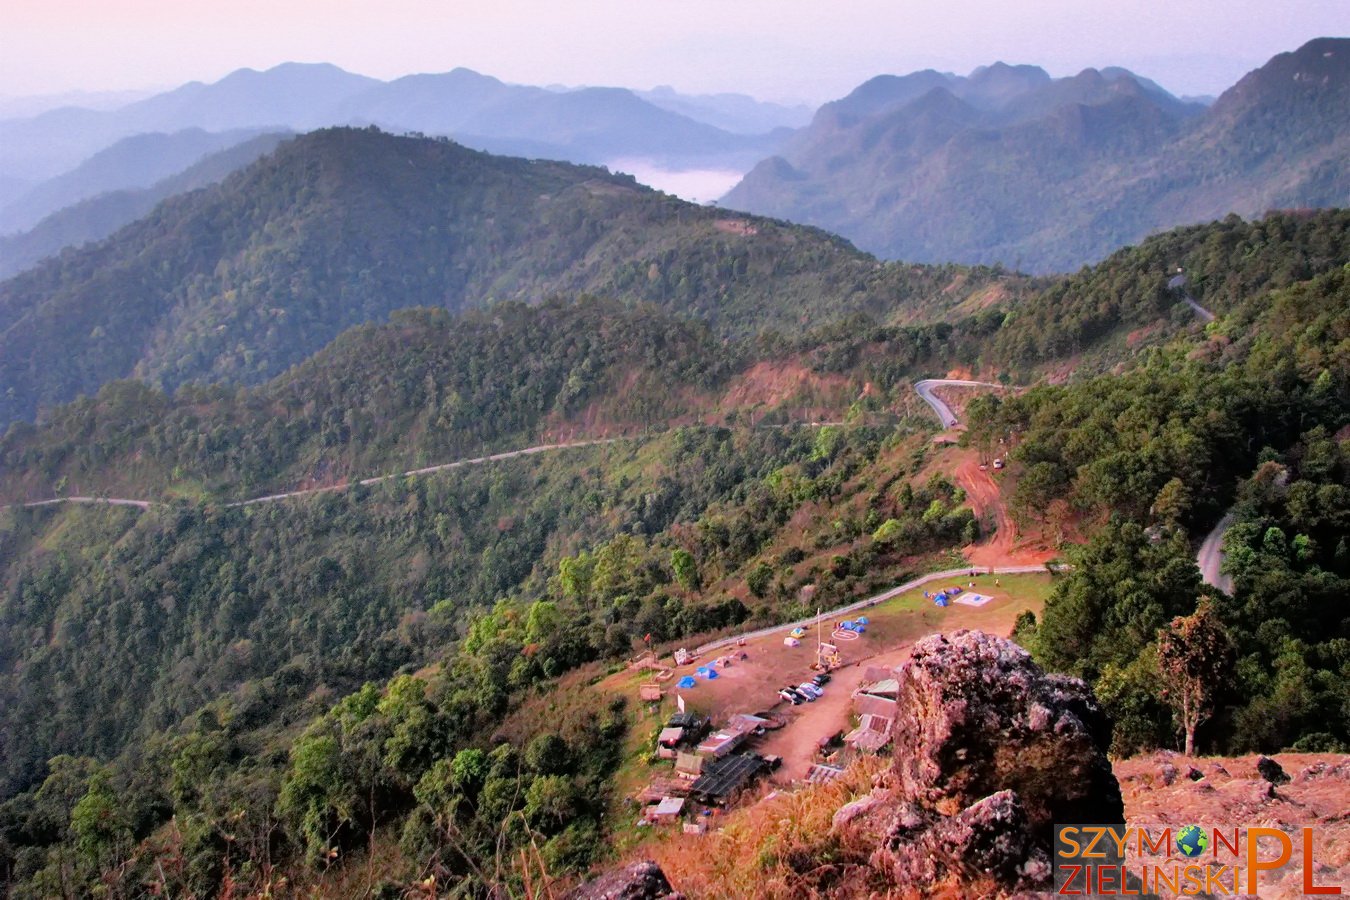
751 685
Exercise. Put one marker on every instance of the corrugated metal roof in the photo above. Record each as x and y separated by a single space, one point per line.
721 743
721 778
887 687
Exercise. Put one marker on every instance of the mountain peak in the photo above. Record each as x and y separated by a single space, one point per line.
1309 78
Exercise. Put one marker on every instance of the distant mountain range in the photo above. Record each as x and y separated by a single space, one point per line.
107 210
587 125
1006 165
1009 165
138 161
338 227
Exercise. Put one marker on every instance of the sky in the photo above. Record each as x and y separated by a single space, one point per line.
787 50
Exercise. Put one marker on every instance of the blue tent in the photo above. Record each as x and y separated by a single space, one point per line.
712 673
686 682
941 600
847 625
862 620
859 628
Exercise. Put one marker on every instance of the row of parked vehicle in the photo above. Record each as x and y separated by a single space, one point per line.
807 691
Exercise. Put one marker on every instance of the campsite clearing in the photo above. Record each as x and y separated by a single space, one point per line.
751 684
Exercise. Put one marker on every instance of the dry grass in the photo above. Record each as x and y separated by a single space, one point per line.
780 847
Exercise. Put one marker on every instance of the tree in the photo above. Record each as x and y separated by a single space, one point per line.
759 578
684 565
888 532
1194 656
1172 503
98 822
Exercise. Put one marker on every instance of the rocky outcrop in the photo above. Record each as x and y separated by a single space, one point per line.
1271 771
990 752
642 880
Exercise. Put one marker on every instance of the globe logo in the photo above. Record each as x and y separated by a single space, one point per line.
1192 841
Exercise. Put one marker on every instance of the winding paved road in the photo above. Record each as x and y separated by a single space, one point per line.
944 412
1210 557
109 501
1178 283
427 470
271 498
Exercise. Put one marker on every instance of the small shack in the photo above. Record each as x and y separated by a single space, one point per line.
873 733
661 787
683 656
667 741
722 778
720 743
689 765
732 735
686 720
747 724
877 697
667 812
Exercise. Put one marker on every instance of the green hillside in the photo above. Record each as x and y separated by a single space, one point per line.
237 282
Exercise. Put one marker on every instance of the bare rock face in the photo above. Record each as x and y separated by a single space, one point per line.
637 881
990 752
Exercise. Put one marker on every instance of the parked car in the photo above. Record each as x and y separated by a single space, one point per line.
790 696
822 679
998 464
811 690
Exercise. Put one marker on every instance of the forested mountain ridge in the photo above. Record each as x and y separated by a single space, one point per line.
430 387
1049 175
339 227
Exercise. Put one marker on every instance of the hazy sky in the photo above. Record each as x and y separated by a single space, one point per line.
775 49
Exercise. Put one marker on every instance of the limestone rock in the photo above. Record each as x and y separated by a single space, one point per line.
862 807
990 752
976 716
642 880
